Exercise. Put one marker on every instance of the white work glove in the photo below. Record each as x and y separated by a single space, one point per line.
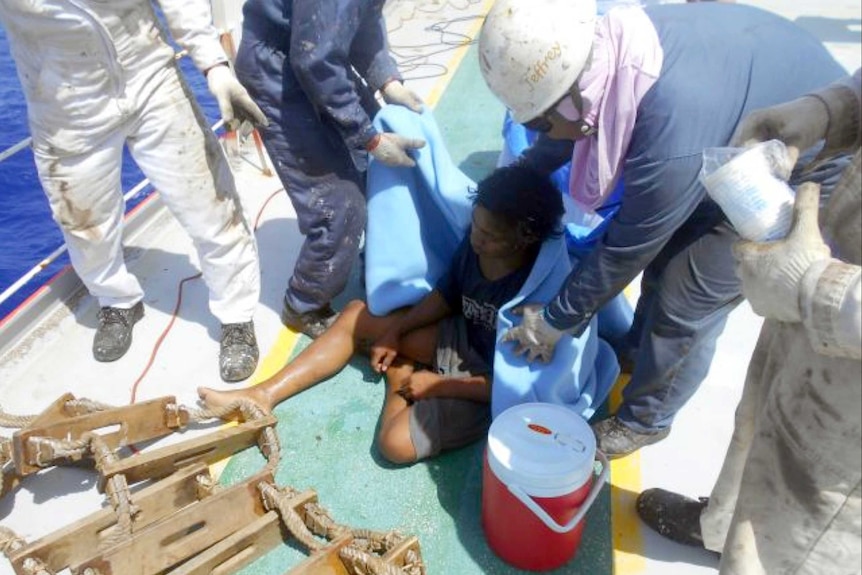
534 337
800 124
772 272
234 103
395 92
391 149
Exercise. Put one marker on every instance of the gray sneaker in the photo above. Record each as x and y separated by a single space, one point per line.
616 439
114 334
239 353
312 323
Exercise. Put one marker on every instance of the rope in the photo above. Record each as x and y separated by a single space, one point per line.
270 447
14 421
83 406
5 450
363 562
10 541
318 520
413 564
248 409
117 489
273 497
47 450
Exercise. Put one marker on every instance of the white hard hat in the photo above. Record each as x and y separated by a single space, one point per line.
531 52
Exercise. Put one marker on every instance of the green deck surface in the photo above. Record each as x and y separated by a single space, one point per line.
327 432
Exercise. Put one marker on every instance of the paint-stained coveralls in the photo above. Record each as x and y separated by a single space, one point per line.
313 67
788 497
98 75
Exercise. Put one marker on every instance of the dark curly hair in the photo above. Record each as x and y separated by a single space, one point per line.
525 198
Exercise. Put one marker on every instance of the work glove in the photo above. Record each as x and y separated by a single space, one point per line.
800 124
234 103
395 92
391 149
534 337
772 272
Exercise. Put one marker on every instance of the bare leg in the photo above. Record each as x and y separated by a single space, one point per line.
324 357
393 439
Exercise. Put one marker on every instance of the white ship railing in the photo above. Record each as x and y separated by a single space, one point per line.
227 14
35 270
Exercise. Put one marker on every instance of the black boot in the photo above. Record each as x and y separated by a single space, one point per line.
312 323
114 334
238 354
672 515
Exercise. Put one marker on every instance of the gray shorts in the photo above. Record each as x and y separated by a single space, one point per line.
437 424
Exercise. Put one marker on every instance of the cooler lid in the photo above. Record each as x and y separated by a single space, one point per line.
545 448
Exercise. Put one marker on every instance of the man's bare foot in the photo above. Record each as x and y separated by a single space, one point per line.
215 399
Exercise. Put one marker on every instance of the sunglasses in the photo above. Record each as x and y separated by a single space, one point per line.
544 124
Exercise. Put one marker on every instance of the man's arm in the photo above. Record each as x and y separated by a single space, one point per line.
321 34
191 26
426 384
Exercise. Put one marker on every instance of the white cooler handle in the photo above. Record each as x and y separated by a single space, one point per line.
549 521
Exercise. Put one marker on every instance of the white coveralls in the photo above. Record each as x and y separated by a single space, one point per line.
98 74
787 500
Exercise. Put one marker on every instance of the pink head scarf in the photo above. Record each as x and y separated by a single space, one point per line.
626 62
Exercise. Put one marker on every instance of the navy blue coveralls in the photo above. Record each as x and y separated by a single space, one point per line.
313 67
721 61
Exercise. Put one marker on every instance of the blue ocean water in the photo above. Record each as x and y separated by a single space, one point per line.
28 234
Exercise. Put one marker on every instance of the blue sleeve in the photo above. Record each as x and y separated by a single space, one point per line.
546 154
322 33
659 197
370 52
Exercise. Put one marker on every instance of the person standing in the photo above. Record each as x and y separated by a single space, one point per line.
788 499
636 96
314 66
98 76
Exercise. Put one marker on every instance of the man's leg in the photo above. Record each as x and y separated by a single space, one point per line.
393 438
184 161
696 290
181 156
86 199
354 331
705 522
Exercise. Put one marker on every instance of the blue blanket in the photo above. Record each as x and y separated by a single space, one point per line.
416 219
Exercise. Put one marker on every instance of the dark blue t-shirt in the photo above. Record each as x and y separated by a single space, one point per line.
468 293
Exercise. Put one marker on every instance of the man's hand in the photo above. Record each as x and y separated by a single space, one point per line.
420 385
534 337
395 92
391 149
799 124
384 351
771 272
234 103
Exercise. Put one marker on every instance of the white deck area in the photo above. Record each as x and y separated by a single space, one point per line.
54 356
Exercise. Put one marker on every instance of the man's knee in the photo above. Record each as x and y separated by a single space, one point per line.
395 445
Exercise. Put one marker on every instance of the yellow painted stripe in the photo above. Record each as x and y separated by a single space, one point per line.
453 63
272 362
628 558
